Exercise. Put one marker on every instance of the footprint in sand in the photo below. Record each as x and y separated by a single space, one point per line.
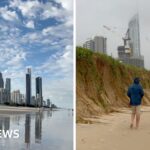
83 141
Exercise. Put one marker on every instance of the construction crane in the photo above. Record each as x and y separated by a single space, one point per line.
126 40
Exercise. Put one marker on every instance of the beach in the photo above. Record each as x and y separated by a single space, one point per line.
13 109
112 132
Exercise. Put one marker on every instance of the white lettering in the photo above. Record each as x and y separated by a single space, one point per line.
16 134
7 133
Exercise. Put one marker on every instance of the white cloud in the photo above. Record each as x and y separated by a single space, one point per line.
35 9
69 21
59 64
54 36
4 28
27 8
12 55
30 24
31 37
17 59
47 41
7 14
67 4
65 62
31 9
50 11
47 30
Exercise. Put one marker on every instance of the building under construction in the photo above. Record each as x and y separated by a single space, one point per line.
129 52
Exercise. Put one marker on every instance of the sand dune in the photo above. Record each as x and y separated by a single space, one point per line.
112 132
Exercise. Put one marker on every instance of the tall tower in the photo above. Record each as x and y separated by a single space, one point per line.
39 96
1 81
134 34
8 88
28 87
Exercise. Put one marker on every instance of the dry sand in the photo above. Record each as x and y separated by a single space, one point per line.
112 132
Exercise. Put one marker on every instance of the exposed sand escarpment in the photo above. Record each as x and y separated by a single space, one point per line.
102 84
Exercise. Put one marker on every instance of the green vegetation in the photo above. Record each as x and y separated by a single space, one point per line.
102 82
83 53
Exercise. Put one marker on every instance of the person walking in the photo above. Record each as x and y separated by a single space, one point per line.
135 93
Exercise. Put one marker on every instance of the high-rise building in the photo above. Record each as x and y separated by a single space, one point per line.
16 97
133 55
89 44
39 96
3 96
22 99
8 88
8 84
134 34
97 44
33 101
44 103
1 81
100 44
28 87
48 102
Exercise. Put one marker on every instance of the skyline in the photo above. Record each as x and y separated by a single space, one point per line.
33 34
91 23
26 99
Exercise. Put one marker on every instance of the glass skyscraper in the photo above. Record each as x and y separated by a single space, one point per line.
134 57
8 85
39 96
1 81
134 35
28 87
8 88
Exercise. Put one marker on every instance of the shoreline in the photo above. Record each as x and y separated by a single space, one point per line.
20 109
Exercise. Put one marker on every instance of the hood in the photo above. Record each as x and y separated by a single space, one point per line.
136 80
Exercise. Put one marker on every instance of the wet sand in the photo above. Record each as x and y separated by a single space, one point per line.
13 109
112 132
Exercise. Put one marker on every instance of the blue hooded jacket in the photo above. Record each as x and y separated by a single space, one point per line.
135 93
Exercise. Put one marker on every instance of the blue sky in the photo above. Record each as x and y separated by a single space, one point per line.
38 34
